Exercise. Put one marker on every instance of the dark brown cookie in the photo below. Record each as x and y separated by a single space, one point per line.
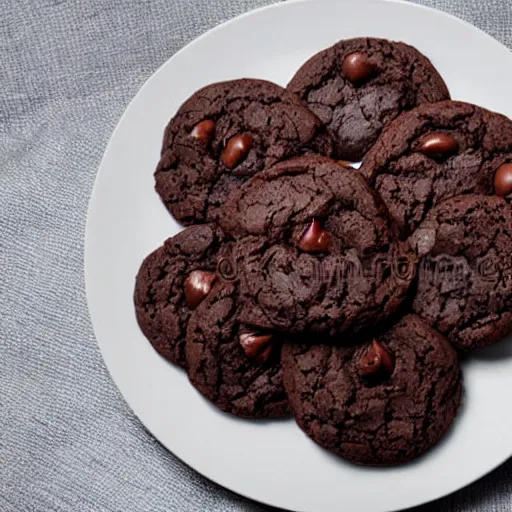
236 369
381 403
225 133
359 85
464 285
172 281
439 151
317 250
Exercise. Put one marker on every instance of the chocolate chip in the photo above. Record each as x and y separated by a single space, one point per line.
236 150
197 286
262 357
256 346
203 131
315 239
503 180
438 145
377 362
346 164
357 67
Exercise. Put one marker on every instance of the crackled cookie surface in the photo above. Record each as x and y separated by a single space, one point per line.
464 285
316 250
172 281
237 369
439 151
226 133
359 85
384 402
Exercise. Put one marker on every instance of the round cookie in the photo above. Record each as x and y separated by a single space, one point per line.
171 281
359 85
236 369
464 287
317 251
439 151
381 403
225 133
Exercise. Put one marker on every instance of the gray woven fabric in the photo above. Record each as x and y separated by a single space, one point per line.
68 441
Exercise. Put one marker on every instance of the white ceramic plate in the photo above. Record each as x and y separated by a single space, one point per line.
274 462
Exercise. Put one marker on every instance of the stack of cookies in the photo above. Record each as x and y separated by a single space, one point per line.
348 238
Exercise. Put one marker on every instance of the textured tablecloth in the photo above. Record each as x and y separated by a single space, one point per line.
68 441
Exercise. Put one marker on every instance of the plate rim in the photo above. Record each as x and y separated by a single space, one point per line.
93 198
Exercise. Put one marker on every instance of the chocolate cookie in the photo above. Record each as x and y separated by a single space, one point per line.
317 249
236 369
172 281
439 151
359 85
225 133
381 403
464 285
